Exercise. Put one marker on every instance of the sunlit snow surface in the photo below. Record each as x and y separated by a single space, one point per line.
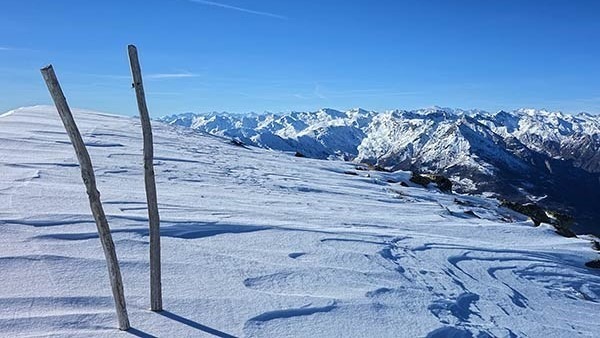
260 243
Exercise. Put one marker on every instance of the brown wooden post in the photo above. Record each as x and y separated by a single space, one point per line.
153 217
89 180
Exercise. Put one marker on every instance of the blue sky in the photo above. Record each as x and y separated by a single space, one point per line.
282 55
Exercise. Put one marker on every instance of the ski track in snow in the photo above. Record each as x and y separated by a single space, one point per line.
261 244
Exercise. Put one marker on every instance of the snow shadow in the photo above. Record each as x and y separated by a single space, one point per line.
185 230
448 331
138 333
192 230
195 325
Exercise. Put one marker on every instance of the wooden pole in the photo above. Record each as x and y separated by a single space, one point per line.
153 217
89 180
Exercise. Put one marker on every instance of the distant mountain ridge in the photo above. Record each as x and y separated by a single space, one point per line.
526 154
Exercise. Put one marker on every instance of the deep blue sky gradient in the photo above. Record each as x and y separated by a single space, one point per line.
282 55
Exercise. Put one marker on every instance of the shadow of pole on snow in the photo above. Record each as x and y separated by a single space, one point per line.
195 325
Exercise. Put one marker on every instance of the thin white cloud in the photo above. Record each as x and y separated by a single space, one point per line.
239 9
14 49
160 76
318 92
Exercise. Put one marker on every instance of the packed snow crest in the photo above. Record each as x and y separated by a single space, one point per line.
257 243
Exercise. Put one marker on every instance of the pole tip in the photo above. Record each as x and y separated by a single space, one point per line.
47 67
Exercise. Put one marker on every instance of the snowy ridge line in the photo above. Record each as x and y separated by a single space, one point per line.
540 130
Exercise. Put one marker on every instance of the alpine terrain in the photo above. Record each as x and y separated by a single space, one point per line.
258 243
548 158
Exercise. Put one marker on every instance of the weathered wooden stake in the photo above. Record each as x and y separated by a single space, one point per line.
89 180
153 217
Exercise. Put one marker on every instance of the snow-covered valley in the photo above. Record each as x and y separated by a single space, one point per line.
259 243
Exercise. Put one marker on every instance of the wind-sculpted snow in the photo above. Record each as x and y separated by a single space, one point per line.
257 243
524 155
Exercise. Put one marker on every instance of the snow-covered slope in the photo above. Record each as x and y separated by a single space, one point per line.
521 155
262 244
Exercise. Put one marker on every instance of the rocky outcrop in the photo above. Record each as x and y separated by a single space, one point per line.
443 183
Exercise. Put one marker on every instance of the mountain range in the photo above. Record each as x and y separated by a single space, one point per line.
526 155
